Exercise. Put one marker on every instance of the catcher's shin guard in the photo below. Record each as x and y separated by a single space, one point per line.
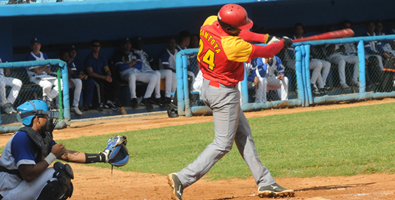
60 188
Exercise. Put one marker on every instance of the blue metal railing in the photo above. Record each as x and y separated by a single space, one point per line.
302 72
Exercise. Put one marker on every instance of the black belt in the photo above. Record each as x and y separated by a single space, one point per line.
1 197
14 172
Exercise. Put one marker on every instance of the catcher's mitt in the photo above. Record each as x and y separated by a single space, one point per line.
116 152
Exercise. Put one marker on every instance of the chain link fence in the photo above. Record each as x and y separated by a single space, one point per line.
20 87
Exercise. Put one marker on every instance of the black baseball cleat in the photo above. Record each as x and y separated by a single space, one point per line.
159 102
176 186
134 103
274 190
167 100
145 102
100 107
111 106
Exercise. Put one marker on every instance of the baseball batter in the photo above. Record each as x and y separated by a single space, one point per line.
223 48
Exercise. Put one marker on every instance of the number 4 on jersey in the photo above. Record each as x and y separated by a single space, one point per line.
208 57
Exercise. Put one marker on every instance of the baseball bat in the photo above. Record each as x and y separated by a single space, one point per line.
328 35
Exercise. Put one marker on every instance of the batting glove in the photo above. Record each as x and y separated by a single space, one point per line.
272 39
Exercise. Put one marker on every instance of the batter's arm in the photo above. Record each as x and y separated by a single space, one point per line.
266 51
254 37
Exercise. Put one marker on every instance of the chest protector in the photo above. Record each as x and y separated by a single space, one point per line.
41 142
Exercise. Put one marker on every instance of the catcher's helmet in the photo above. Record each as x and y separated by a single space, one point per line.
30 109
235 15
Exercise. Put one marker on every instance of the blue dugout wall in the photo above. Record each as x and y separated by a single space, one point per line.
60 24
304 97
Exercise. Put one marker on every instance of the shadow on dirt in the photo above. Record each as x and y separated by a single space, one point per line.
331 187
327 187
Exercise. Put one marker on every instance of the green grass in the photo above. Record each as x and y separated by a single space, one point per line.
337 142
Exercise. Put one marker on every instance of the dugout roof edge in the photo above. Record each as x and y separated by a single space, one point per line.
87 7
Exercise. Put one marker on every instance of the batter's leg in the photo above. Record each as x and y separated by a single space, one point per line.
246 147
226 108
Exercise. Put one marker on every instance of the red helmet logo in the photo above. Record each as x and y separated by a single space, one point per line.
235 15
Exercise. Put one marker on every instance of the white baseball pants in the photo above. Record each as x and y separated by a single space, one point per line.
260 91
341 61
170 81
151 78
50 87
77 90
15 85
325 67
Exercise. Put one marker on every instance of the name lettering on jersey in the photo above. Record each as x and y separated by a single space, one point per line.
210 40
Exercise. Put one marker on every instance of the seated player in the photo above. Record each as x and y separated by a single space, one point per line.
74 82
269 72
15 84
40 74
170 79
97 68
129 66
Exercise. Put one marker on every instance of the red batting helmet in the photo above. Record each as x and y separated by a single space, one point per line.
235 15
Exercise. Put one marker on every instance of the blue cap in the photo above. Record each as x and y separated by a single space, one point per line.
72 47
126 40
137 39
34 40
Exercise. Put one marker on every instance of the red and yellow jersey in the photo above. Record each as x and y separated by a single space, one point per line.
221 56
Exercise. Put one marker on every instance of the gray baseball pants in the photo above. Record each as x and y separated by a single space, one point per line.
230 125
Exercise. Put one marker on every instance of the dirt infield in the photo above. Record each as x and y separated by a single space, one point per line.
98 183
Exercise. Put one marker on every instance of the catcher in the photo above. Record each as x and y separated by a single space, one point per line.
24 163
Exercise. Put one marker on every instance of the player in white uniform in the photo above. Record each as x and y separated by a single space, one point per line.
269 72
129 66
39 74
341 54
383 46
320 67
184 38
24 164
168 61
74 83
166 74
15 84
370 47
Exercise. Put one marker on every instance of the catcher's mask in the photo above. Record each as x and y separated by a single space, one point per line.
30 109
